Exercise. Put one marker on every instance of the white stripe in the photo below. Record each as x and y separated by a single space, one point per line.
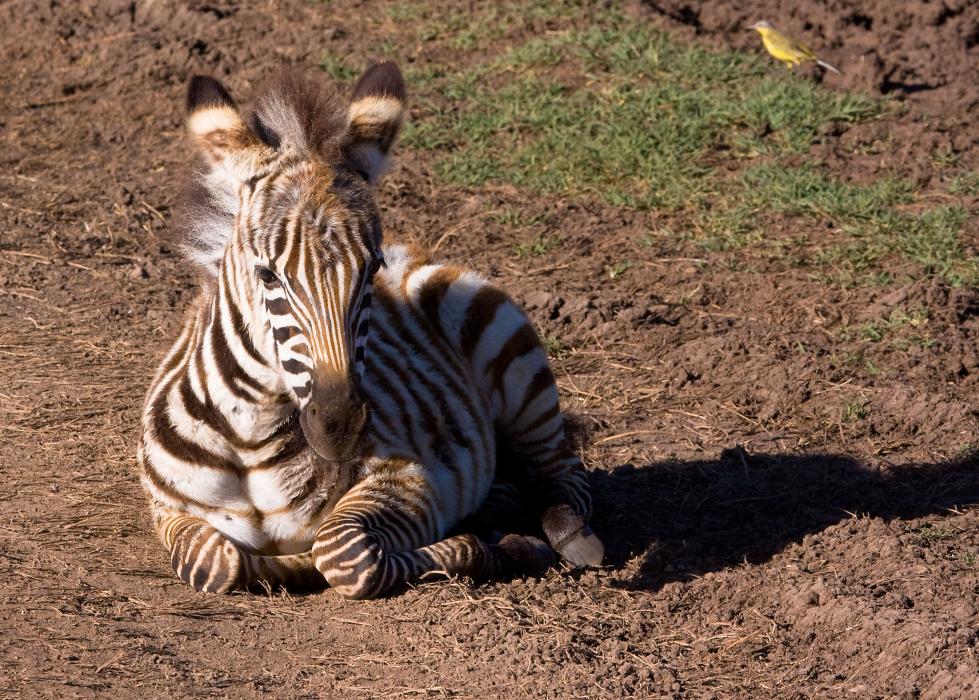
507 320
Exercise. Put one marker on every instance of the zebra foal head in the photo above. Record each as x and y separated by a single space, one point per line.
285 221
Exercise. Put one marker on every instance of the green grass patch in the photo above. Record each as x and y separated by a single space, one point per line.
517 218
964 183
898 319
572 99
619 112
927 533
875 220
901 329
924 244
855 360
619 269
338 69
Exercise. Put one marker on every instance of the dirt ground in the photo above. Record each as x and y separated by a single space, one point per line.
779 522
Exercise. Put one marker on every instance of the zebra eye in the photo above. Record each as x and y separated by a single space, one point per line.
376 264
266 275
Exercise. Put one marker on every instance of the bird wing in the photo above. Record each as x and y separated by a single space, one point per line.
785 47
803 49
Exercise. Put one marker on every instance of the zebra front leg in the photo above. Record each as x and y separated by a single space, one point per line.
375 540
211 563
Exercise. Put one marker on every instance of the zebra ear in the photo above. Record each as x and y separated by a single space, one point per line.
373 119
218 129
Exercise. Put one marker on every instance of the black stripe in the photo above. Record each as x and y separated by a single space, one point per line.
433 292
166 436
523 341
238 324
282 236
441 358
217 421
294 366
227 365
301 391
481 312
406 429
543 379
278 307
543 418
283 334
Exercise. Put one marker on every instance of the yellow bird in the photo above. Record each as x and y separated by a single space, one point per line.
785 48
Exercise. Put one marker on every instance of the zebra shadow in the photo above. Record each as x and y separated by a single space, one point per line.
685 518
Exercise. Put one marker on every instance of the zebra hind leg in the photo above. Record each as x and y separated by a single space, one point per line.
560 490
501 512
531 432
211 563
507 507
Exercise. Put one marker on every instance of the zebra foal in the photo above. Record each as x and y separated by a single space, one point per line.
334 405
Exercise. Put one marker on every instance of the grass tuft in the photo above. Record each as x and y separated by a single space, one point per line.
541 244
874 220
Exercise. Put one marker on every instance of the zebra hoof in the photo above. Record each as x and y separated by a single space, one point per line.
583 549
529 555
571 537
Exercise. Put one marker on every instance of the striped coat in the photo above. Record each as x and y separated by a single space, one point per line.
335 406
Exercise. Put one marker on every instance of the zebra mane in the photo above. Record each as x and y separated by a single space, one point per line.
301 112
295 113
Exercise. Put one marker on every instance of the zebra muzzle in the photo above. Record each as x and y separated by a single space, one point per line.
334 423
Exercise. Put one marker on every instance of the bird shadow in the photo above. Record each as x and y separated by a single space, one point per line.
889 86
684 14
685 518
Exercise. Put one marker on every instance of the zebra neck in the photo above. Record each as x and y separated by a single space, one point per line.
238 375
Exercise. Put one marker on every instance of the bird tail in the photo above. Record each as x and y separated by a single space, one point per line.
827 66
